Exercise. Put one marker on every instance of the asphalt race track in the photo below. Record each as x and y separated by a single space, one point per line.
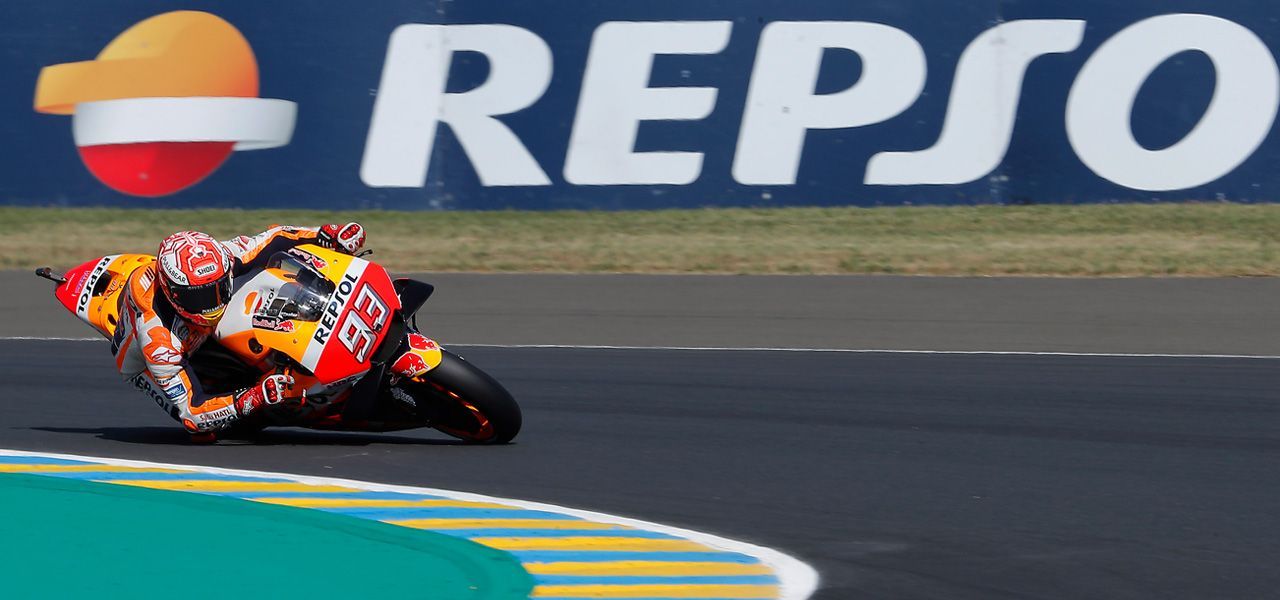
894 475
1183 316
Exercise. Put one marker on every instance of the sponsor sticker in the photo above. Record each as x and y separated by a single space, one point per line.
217 418
145 386
309 259
174 390
86 293
273 324
331 313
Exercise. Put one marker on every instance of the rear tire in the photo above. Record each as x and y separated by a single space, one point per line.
467 403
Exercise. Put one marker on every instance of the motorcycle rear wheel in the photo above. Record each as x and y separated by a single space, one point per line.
459 399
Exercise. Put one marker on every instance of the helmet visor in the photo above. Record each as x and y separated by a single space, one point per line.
206 300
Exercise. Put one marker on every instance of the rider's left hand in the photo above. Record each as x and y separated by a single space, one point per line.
277 388
347 238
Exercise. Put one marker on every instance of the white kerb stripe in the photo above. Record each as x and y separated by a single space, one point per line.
253 123
797 580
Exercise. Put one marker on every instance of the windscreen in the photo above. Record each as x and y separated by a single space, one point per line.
302 299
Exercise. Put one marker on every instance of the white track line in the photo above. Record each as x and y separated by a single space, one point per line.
797 579
869 351
772 349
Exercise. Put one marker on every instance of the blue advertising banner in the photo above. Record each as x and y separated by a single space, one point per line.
482 104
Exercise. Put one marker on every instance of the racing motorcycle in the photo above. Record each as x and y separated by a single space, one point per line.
333 322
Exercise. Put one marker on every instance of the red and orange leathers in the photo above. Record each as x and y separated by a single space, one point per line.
152 343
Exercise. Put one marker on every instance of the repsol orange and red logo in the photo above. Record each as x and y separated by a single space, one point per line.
165 103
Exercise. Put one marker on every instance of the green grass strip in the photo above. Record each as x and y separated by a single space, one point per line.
74 539
1192 239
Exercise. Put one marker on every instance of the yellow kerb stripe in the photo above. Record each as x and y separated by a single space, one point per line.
217 485
377 503
10 468
653 568
591 543
656 591
501 524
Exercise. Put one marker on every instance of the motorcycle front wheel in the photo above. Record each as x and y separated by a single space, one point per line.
459 399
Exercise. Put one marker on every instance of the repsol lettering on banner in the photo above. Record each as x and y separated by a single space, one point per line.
486 104
783 107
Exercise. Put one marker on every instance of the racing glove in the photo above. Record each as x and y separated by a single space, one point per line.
347 238
272 390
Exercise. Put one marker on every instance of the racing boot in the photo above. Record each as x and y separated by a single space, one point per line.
204 438
271 390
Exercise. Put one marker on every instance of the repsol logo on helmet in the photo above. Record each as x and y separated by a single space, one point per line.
331 313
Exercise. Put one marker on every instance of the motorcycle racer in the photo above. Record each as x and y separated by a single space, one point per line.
169 308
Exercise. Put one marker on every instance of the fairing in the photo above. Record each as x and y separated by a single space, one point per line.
92 291
326 311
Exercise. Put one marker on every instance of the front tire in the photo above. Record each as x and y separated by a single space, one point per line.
467 403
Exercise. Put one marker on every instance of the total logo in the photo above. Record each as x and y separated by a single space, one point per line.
165 103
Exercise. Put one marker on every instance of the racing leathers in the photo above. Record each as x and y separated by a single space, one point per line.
152 343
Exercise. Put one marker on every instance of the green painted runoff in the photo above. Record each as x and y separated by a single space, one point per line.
65 538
